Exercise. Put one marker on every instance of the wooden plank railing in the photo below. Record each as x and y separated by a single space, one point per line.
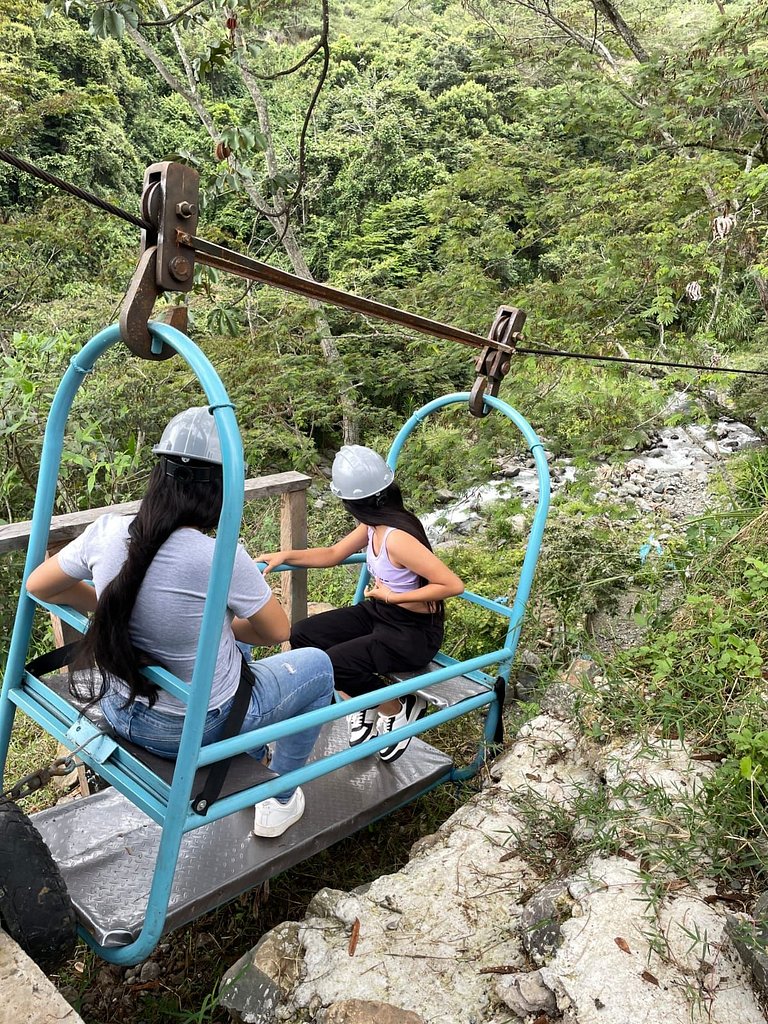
292 488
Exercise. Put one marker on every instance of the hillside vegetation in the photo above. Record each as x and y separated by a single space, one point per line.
602 164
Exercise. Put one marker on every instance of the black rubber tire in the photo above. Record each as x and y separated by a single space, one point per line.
35 908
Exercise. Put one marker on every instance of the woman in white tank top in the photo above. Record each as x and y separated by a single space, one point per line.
400 624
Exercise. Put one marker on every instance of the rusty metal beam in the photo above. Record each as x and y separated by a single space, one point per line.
253 270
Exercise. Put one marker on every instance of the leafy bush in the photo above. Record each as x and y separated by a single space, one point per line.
700 678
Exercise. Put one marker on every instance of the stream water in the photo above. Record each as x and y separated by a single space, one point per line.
671 476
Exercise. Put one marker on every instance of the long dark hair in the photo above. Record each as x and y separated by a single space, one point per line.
177 495
387 509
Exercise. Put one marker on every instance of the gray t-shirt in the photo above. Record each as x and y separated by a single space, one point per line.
168 613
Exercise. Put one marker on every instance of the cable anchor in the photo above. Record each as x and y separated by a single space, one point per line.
39 779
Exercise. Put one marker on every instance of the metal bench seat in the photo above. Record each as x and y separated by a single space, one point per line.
106 847
450 691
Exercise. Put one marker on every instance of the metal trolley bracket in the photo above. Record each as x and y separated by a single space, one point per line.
169 203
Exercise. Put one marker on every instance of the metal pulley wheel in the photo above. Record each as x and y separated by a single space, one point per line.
151 203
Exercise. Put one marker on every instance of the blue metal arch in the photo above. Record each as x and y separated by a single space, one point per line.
533 546
213 616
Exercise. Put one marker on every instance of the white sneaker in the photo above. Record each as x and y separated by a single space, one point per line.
361 725
413 708
271 818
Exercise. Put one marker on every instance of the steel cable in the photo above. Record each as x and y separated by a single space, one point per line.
630 359
116 211
74 190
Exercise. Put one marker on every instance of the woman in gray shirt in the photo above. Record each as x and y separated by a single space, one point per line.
150 578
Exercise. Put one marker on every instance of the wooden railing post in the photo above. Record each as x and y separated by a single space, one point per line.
293 534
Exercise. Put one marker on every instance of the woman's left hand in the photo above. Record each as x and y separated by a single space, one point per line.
380 591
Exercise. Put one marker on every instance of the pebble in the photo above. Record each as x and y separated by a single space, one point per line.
150 971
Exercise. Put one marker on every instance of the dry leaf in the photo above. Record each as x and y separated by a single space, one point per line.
354 937
676 885
146 986
650 978
737 898
623 944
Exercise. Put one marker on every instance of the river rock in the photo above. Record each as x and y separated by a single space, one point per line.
257 985
749 936
526 993
541 919
460 908
611 968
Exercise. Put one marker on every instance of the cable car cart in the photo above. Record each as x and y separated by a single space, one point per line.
151 851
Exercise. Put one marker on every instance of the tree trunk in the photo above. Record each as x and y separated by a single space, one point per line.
290 243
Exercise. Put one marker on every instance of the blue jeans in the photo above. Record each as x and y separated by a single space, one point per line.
285 685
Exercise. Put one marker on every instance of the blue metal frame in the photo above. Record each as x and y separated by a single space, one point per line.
170 805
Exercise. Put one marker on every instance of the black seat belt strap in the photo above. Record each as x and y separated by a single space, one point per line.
51 660
218 772
500 690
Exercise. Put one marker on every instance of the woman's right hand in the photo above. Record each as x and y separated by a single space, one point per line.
272 558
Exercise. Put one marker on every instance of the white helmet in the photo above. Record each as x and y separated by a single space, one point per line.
359 472
191 434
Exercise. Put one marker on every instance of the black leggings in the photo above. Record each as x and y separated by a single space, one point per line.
368 640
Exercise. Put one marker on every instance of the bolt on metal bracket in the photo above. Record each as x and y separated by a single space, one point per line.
169 203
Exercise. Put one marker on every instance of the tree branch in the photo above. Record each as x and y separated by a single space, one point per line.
289 71
544 10
612 14
172 19
190 95
249 78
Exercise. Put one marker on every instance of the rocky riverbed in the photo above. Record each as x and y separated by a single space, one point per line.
669 480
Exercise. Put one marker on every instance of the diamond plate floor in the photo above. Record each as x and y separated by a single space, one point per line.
106 848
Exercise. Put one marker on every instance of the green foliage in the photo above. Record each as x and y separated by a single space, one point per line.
586 562
751 482
436 457
471 630
555 838
750 394
699 678
608 417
